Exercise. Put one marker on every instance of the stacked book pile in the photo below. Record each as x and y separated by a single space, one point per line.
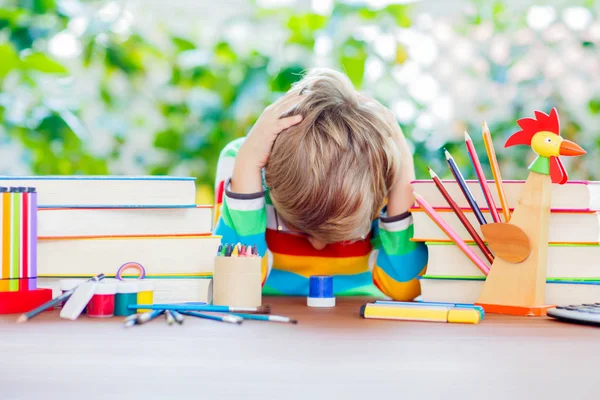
573 272
90 225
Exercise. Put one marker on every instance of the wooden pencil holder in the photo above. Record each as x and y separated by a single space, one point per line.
237 282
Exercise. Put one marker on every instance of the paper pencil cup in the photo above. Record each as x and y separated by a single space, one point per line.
237 282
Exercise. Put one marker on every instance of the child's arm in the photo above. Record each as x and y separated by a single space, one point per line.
239 192
242 217
400 261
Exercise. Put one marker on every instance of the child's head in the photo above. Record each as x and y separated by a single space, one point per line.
330 174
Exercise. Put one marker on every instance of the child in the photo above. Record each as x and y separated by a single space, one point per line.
308 187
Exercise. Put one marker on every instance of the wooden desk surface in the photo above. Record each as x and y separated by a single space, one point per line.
330 354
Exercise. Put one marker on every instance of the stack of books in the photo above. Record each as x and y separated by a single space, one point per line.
89 225
573 273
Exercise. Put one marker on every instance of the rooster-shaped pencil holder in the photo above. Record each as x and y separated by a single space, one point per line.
517 279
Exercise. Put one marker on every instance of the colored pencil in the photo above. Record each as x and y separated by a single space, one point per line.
491 153
481 178
272 318
49 304
264 309
232 319
464 188
451 233
461 216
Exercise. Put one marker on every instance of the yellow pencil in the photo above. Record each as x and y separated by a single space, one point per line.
489 148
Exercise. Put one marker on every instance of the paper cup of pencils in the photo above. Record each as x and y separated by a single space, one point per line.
237 278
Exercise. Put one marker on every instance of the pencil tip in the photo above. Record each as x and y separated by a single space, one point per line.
484 127
432 173
21 319
448 155
467 137
293 321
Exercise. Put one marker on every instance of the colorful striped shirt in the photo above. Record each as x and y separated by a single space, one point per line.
386 261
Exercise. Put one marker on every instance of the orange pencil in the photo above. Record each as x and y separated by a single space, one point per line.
489 148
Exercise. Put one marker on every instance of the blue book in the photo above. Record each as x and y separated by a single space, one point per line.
108 191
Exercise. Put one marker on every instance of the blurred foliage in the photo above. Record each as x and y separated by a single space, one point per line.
197 97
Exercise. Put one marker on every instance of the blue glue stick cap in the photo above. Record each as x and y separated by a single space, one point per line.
320 291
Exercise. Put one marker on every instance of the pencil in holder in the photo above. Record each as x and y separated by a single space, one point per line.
237 281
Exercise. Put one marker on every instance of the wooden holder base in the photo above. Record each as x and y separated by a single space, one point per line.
533 311
23 301
519 288
237 282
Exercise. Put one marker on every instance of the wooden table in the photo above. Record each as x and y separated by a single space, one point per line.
330 354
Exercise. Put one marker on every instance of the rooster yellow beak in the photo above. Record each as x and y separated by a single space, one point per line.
568 148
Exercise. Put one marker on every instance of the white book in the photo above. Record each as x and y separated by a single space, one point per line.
574 195
467 291
168 290
158 255
565 227
572 261
108 191
73 222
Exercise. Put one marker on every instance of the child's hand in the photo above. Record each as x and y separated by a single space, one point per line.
400 197
254 153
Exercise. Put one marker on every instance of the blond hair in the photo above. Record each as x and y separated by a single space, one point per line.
329 175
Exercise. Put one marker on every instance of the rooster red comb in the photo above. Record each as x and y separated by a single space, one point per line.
531 126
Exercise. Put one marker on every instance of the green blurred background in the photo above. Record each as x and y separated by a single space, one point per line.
151 87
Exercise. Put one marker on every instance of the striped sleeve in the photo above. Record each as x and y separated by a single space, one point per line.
240 218
399 260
